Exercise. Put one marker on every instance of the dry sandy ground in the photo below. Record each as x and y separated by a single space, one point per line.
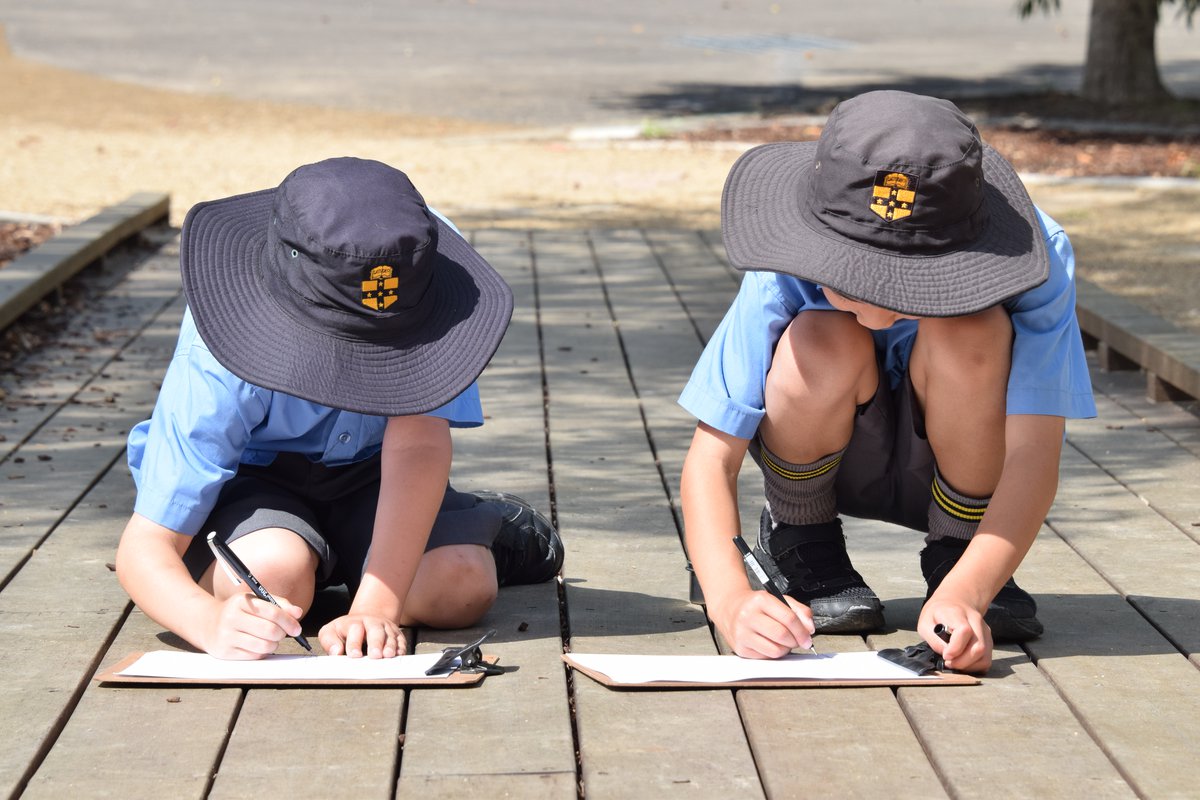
74 143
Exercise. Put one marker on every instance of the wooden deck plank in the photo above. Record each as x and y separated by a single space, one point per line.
338 742
122 298
68 451
57 645
518 723
1134 550
703 282
1137 696
1179 422
1155 468
141 743
975 735
611 500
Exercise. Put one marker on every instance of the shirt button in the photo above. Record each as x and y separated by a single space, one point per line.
344 438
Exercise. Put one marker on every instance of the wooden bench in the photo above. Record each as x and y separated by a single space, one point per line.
1127 337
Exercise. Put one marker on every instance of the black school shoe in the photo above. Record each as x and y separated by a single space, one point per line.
527 549
815 568
1012 616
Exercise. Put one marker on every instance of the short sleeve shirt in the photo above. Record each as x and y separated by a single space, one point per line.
207 421
1049 373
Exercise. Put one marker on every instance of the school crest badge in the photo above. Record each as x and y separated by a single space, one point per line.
893 195
379 291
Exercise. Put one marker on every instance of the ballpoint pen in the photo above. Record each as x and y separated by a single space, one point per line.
238 573
942 632
766 580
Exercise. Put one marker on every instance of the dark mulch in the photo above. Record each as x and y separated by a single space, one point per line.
18 237
1049 133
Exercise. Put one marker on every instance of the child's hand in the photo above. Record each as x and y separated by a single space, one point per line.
247 628
756 625
356 635
970 645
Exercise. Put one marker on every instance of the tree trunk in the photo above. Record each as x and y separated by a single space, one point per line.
1122 66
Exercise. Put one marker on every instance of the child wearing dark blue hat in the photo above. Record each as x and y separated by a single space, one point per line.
335 329
903 347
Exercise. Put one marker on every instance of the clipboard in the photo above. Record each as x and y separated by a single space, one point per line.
689 676
119 674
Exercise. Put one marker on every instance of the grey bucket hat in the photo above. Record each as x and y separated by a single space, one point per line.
898 204
341 287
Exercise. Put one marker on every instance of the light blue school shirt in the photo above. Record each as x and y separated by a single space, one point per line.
1049 373
207 421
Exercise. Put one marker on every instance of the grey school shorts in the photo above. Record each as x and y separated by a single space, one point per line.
887 469
333 510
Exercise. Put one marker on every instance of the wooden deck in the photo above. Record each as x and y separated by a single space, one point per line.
581 398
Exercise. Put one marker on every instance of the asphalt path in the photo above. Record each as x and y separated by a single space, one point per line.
568 63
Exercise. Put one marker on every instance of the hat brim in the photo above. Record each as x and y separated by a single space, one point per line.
766 226
221 258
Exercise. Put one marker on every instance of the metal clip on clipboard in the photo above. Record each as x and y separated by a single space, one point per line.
919 658
469 658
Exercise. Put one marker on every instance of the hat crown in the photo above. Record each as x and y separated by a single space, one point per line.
352 236
899 172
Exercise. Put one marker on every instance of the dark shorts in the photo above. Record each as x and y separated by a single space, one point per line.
887 470
333 510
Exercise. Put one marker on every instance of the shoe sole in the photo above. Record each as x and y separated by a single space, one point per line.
855 619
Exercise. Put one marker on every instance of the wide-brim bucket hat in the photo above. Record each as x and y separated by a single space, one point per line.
898 204
341 287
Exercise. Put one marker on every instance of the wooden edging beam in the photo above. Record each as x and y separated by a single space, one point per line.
1129 337
28 279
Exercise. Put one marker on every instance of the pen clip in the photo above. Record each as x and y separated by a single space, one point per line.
212 545
469 656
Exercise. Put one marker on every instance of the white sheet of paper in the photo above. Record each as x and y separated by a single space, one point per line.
725 669
201 666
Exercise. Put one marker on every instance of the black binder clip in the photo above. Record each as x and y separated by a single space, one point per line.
919 658
469 658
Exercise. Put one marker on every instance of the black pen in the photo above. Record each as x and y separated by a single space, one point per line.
942 632
767 581
238 573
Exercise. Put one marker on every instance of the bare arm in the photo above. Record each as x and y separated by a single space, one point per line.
151 569
754 624
415 466
1028 483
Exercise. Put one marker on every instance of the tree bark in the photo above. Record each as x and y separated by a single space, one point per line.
1122 65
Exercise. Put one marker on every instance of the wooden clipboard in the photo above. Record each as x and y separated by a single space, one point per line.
112 675
934 679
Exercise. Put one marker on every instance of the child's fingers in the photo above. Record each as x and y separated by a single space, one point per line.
282 616
782 625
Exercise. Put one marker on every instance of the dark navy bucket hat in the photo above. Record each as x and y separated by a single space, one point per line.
341 287
898 204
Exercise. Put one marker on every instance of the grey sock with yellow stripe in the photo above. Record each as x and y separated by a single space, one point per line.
953 515
798 494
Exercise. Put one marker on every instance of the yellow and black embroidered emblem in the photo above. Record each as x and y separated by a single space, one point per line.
380 291
893 195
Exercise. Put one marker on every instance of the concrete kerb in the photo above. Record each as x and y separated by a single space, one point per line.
25 281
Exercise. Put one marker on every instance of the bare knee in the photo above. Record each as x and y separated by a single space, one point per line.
282 562
453 588
823 355
823 367
971 354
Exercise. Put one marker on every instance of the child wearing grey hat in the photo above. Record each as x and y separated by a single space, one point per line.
335 329
903 347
